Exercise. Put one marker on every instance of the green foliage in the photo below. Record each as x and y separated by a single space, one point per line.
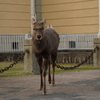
81 68
18 69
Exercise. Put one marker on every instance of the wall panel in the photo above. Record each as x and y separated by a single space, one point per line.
16 30
14 16
77 29
73 21
68 16
54 2
69 6
71 14
14 23
14 8
15 2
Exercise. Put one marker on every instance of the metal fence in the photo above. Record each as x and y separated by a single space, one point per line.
15 42
77 41
12 42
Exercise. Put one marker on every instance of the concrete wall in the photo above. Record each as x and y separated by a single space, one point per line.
15 16
74 56
9 56
68 56
71 16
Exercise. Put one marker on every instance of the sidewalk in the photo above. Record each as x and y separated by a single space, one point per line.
83 85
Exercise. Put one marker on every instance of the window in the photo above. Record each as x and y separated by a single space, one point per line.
72 44
15 45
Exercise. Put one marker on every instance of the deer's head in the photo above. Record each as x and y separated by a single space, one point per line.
38 29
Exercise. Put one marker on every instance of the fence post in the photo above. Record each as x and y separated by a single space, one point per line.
30 63
96 57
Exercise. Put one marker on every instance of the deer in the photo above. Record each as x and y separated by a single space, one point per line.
45 43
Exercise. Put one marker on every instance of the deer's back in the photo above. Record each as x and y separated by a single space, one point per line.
52 38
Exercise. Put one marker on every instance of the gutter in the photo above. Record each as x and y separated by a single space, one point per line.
99 17
32 13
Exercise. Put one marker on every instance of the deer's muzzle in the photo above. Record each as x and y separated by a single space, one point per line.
39 37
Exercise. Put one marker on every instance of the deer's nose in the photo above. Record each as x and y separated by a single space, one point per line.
38 37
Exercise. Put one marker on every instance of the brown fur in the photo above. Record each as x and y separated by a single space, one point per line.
45 44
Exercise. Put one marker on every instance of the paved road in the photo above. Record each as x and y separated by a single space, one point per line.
83 85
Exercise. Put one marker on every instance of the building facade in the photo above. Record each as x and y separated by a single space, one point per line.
14 16
66 16
77 21
72 16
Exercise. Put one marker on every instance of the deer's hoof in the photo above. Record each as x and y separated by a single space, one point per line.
49 82
45 93
53 83
40 89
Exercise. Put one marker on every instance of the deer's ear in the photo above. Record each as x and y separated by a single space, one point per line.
33 21
44 21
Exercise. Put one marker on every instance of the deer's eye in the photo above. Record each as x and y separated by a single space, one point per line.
41 28
38 29
34 29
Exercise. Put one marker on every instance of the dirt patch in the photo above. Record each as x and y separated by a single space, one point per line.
83 85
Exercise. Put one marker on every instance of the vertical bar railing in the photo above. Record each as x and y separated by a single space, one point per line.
15 42
12 42
77 41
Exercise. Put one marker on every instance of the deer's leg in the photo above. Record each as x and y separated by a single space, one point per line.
44 87
54 56
45 65
41 71
41 79
49 74
53 67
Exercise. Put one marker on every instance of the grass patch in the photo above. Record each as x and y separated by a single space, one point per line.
18 69
81 68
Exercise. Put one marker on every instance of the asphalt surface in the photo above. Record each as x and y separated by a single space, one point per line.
83 85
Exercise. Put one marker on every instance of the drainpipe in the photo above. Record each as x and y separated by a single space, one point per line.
33 14
99 17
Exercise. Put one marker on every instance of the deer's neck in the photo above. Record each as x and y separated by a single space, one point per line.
40 45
